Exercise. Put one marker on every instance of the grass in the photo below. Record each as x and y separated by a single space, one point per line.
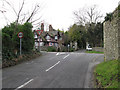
106 74
95 52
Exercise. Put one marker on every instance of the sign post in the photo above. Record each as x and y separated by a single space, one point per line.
20 35
39 32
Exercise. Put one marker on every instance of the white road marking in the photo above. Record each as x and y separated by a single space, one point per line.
57 54
52 66
66 56
60 53
24 84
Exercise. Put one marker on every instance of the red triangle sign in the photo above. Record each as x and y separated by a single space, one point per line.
39 32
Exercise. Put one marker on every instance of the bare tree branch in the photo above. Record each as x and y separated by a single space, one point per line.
18 16
89 15
23 17
7 20
36 8
36 20
11 7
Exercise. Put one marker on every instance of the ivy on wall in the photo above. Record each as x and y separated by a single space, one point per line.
109 17
119 11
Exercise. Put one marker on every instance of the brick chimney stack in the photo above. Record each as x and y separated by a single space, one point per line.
50 28
42 26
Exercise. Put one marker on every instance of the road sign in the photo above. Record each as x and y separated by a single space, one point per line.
20 34
39 32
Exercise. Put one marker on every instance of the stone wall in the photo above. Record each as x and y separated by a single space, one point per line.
112 38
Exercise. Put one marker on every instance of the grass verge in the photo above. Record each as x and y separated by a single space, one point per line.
95 52
106 74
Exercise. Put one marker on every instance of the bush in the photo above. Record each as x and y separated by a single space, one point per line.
109 17
51 49
71 49
20 59
11 42
64 49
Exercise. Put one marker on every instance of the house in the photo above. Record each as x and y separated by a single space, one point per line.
49 38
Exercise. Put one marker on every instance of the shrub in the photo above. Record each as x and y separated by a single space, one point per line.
11 42
71 49
109 17
51 49
64 49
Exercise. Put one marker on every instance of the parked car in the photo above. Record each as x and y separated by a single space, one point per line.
88 48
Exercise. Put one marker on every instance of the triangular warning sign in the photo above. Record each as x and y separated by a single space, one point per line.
39 32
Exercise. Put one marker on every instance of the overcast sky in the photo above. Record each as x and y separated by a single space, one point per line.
58 13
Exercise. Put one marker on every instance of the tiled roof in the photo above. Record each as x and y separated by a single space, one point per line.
51 33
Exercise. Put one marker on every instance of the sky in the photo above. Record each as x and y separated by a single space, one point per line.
58 13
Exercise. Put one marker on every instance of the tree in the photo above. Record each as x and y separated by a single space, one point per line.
27 40
99 34
77 33
87 15
90 18
7 43
108 16
11 42
95 34
66 38
21 16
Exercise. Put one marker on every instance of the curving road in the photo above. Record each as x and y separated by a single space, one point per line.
53 70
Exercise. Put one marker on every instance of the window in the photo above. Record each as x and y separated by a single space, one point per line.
48 37
56 37
50 44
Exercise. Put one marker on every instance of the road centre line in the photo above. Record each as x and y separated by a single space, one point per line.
57 54
24 84
52 66
66 56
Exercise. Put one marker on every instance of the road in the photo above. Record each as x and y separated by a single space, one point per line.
53 70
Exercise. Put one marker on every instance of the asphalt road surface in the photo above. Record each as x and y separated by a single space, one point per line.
53 70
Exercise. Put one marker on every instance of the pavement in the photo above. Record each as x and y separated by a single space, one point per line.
53 70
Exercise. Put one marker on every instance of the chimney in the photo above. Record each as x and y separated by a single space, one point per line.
42 26
50 28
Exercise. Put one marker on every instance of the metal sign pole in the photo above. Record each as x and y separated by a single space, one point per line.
40 47
39 33
20 35
20 46
39 43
